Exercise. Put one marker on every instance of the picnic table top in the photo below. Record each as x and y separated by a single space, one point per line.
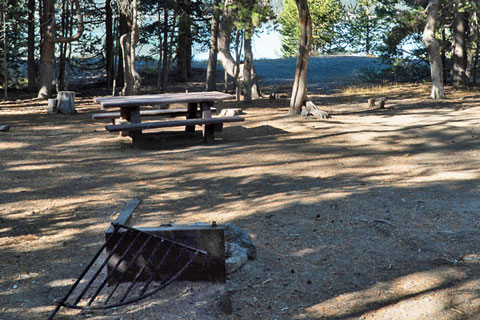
144 100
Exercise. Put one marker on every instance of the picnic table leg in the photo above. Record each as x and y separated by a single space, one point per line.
191 113
137 136
124 117
208 129
206 109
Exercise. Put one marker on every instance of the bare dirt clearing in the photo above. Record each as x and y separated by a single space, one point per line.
372 214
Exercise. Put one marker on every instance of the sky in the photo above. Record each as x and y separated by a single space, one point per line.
266 45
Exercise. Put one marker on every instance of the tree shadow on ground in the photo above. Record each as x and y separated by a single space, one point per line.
329 217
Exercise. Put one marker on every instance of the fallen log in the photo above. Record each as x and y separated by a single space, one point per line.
312 111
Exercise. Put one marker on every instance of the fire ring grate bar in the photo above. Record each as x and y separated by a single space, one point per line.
94 287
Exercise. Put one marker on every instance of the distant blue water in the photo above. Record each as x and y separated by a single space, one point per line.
321 70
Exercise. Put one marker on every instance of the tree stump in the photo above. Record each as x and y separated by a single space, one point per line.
382 102
372 102
66 102
52 106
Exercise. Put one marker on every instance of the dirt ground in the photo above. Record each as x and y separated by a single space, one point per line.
372 214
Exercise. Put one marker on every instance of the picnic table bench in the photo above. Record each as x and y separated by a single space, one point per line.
198 112
146 113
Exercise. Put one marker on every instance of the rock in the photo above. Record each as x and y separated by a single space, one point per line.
4 128
235 234
230 112
305 113
274 94
236 257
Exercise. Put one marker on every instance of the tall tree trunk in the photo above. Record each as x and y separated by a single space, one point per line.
213 52
470 44
128 42
166 52
189 53
248 65
68 48
459 56
47 49
49 38
63 49
160 52
443 51
109 53
224 54
236 76
61 67
5 48
135 36
476 42
475 65
367 35
123 28
184 33
299 91
436 68
32 67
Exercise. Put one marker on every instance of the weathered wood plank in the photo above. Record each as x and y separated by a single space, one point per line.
172 123
168 98
125 215
145 113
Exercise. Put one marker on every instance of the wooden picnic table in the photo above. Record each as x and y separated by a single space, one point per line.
199 112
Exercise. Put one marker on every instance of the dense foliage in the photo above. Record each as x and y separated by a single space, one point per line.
325 15
13 32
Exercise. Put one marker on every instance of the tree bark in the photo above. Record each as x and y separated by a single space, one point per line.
248 64
224 54
167 45
213 52
123 28
32 67
109 53
49 38
299 91
471 36
184 33
67 29
367 35
429 40
459 56
476 42
160 52
5 48
128 42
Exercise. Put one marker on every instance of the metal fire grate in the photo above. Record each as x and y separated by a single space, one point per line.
112 278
